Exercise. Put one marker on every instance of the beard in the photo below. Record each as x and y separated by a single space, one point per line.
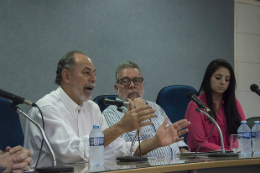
79 92
131 94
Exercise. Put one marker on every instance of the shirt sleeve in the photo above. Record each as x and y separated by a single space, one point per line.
197 133
64 142
67 146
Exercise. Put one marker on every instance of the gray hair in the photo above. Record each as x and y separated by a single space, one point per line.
66 62
127 64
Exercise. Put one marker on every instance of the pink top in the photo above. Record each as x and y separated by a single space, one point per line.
200 127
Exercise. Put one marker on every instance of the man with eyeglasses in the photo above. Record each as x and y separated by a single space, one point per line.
130 85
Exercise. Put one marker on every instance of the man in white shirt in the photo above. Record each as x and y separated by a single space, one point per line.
69 116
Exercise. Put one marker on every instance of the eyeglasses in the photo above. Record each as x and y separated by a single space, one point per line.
127 81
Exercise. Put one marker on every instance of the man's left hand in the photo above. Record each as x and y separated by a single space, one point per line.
168 135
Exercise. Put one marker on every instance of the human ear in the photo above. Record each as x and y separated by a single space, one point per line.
116 87
66 76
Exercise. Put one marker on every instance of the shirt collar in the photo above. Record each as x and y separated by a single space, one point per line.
68 102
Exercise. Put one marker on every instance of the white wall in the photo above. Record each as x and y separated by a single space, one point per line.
247 54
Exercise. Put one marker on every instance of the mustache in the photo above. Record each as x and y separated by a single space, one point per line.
133 91
89 85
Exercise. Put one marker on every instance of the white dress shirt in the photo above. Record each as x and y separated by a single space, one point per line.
66 125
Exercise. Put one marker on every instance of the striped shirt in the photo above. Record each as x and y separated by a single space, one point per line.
113 116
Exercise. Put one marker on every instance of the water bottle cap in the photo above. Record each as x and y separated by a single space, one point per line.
256 122
95 126
243 122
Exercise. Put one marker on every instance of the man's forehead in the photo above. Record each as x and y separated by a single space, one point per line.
129 71
83 62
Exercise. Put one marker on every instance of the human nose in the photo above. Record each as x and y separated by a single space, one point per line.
93 78
223 81
131 84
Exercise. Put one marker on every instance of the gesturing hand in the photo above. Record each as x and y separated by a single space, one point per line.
168 135
134 118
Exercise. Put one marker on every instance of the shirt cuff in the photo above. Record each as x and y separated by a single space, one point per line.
182 144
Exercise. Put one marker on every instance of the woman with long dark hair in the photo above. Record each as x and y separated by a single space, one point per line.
217 92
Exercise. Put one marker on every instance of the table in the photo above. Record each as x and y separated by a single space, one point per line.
177 165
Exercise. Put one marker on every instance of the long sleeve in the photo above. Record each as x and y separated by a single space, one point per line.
67 127
61 136
199 129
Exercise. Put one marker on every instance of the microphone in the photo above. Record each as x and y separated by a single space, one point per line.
15 99
195 99
255 89
106 101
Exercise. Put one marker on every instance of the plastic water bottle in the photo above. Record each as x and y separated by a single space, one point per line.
96 147
244 140
256 139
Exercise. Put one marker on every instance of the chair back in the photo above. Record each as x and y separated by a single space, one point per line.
173 99
103 107
250 121
11 133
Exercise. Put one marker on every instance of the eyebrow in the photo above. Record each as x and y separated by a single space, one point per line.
222 75
88 69
130 78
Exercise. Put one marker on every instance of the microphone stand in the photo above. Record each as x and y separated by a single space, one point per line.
53 168
131 158
223 153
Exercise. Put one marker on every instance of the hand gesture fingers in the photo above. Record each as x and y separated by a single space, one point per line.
138 102
145 124
8 148
180 124
131 104
165 122
179 139
134 118
182 132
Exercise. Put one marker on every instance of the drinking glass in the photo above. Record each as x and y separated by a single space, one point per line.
234 143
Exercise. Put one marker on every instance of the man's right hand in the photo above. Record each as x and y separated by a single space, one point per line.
134 118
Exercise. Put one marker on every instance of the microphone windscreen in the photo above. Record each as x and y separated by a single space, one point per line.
189 95
101 101
254 87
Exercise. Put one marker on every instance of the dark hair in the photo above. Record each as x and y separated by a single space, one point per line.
127 64
230 108
66 62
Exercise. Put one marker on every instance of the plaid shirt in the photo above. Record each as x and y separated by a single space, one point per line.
112 116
